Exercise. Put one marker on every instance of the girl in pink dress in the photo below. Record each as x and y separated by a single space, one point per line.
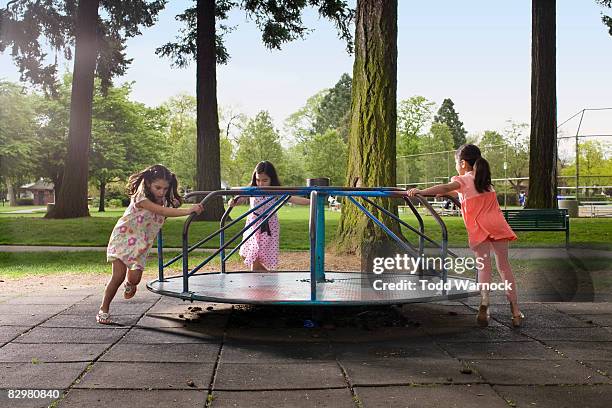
154 197
486 226
260 251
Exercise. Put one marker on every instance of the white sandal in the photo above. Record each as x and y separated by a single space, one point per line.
103 317
129 290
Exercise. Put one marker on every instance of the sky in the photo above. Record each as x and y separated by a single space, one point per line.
477 52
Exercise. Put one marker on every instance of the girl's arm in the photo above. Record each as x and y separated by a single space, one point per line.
441 189
299 200
167 211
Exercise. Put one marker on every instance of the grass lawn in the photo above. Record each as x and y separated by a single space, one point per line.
33 229
7 208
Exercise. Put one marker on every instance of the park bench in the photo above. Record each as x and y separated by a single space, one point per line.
539 220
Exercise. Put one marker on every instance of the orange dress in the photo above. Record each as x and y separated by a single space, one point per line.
482 216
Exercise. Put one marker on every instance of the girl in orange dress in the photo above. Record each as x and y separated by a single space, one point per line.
486 226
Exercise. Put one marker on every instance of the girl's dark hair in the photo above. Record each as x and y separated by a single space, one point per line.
148 176
482 171
267 168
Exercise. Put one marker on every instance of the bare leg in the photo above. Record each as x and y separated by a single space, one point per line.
257 266
505 271
119 272
132 281
504 268
134 276
482 251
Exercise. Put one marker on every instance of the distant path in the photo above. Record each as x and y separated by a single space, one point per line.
515 253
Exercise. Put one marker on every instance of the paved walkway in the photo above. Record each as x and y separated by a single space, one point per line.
164 352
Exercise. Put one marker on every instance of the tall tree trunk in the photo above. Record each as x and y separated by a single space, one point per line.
543 139
102 196
11 190
71 201
208 151
372 133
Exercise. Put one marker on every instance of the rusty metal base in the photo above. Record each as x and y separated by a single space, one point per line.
293 287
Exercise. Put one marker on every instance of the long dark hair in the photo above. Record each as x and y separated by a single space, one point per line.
148 176
482 171
267 168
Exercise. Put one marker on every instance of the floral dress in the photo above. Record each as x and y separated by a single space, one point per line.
264 244
134 234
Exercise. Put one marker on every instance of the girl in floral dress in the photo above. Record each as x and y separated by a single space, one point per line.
260 251
154 197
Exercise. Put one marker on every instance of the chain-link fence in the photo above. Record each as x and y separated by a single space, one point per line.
584 165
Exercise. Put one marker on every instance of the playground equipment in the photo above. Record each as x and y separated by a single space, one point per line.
316 286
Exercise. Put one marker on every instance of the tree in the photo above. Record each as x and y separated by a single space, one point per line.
372 134
17 141
259 141
607 20
543 138
325 156
436 167
125 137
413 116
448 115
99 45
181 138
280 22
334 110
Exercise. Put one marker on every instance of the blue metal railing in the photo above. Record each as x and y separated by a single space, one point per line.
316 226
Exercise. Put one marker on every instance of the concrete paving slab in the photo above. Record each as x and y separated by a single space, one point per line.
349 334
46 376
539 317
38 299
295 353
571 333
409 310
408 371
173 305
334 398
72 335
597 319
8 333
535 372
583 307
42 402
6 309
579 350
278 335
474 334
148 376
604 366
586 396
450 396
278 376
170 335
24 319
79 398
84 309
452 321
506 350
187 320
50 353
162 353
89 321
388 350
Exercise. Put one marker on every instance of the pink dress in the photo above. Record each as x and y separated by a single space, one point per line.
134 234
482 216
263 245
